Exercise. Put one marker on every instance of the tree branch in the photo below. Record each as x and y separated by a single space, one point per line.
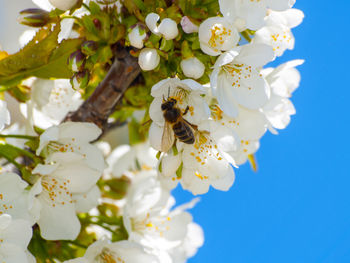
108 93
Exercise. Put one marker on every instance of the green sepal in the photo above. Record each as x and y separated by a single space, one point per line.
166 45
186 51
175 151
179 171
33 144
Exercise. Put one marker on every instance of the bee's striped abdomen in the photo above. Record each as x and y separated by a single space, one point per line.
183 132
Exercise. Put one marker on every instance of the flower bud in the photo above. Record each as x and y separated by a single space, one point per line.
187 25
97 23
192 68
151 22
89 48
76 61
136 37
168 28
63 4
80 80
34 17
148 59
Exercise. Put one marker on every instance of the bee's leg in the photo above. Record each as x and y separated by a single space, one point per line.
186 110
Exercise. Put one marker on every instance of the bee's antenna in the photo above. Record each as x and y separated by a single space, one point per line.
168 92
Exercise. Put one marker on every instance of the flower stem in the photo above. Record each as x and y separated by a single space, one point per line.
18 136
11 160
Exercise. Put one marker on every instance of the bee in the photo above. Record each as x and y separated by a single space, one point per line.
175 125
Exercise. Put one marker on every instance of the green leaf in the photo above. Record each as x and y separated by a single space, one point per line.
140 4
52 63
57 65
36 54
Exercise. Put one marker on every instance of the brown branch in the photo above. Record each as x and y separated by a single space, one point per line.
108 93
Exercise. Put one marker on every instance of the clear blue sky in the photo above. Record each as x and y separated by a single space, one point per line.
297 207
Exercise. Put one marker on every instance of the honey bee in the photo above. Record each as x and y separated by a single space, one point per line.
175 125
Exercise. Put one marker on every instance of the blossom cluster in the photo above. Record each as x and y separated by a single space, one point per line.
207 97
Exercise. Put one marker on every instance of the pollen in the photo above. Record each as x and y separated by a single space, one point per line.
218 35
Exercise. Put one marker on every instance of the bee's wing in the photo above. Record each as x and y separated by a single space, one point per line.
168 137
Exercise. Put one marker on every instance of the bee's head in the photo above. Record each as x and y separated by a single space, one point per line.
168 104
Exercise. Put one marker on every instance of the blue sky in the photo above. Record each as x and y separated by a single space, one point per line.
296 208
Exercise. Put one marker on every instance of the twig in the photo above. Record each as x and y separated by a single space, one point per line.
101 103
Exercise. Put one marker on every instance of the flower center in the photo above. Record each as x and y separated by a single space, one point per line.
56 191
218 33
204 149
216 112
154 225
108 256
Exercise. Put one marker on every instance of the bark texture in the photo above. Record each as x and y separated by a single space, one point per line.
108 93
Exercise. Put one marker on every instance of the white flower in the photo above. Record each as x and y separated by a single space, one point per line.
251 13
15 235
149 59
249 126
190 245
52 100
206 162
187 25
4 115
278 111
167 28
283 80
63 4
236 79
73 137
147 216
280 5
136 37
216 34
202 164
131 158
15 200
187 94
277 32
118 252
67 185
192 68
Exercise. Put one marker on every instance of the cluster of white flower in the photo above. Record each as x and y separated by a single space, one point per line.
227 120
199 133
166 235
64 185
